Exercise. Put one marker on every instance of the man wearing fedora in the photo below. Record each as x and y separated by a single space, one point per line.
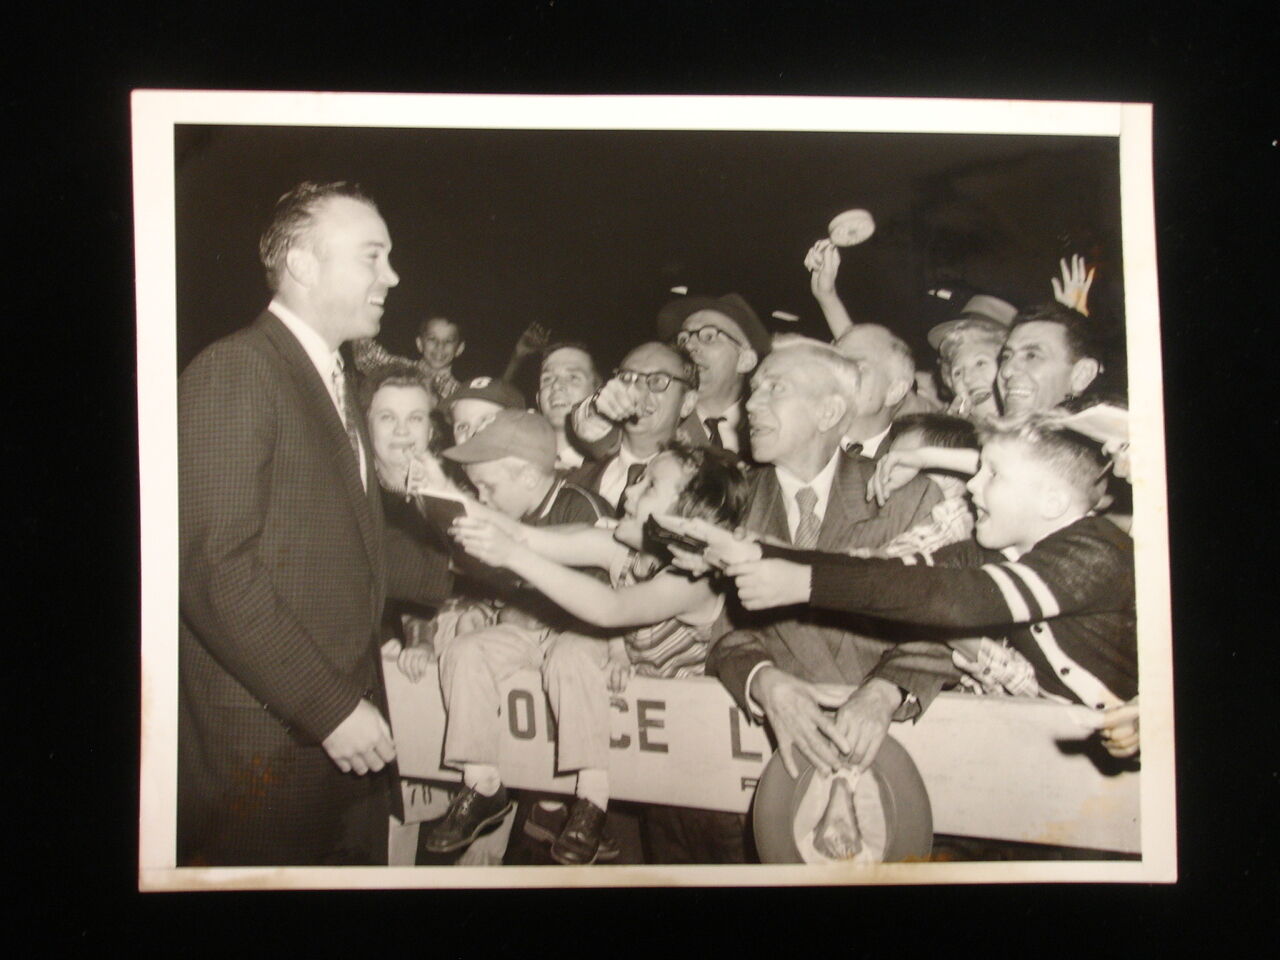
726 341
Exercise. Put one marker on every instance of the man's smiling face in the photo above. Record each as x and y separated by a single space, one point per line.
351 249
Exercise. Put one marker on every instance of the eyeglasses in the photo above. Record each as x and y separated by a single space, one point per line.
656 382
707 334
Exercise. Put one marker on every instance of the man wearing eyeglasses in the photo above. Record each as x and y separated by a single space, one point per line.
633 416
726 340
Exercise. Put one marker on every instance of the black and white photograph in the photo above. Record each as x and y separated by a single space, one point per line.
649 491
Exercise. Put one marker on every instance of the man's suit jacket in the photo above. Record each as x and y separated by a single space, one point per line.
283 572
812 644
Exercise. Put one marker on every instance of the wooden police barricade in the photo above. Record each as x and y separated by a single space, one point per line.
1003 768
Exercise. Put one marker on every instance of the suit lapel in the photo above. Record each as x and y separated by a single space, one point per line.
805 641
847 504
325 416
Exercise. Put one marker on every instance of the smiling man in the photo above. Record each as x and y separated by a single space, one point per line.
632 417
725 340
1049 356
284 562
568 376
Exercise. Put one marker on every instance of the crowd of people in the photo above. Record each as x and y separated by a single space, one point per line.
845 522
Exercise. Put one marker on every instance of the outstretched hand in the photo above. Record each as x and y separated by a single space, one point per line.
483 540
534 338
724 547
1073 289
893 471
823 263
762 584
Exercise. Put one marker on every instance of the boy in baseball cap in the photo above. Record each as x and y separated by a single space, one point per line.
511 461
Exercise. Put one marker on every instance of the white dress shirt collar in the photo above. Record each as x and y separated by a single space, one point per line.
313 344
728 426
870 446
789 483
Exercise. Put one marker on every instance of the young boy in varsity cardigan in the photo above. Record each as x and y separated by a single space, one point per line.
1046 573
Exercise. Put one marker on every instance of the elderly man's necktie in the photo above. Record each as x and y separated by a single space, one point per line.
807 525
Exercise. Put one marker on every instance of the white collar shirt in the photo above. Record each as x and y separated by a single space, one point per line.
325 361
789 484
870 446
614 478
728 426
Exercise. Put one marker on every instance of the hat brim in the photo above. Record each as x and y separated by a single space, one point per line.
673 315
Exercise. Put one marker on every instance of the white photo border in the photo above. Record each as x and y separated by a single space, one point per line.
155 113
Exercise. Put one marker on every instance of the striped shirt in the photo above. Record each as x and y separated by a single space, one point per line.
672 649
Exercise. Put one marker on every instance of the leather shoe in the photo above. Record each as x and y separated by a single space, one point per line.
469 815
546 825
579 841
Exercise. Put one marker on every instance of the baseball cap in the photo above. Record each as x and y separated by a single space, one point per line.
673 315
511 433
491 389
982 309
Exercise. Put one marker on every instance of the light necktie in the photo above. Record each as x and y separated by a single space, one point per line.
344 412
807 525
713 431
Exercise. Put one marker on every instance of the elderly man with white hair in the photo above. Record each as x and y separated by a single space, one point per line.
810 493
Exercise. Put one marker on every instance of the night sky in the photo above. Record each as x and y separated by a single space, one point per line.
587 231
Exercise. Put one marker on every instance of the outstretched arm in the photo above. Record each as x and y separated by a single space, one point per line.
663 597
823 262
574 545
1073 289
534 338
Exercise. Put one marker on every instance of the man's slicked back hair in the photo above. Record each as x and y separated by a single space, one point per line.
294 215
1080 333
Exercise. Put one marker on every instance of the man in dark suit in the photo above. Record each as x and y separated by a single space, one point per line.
284 560
726 340
813 494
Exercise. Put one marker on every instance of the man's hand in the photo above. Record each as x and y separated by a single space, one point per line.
864 720
616 401
1119 729
1073 290
534 338
794 710
763 584
362 742
893 471
823 263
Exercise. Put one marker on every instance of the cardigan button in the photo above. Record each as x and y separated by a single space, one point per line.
1064 671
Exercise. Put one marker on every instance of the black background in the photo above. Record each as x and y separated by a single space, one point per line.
587 231
73 705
